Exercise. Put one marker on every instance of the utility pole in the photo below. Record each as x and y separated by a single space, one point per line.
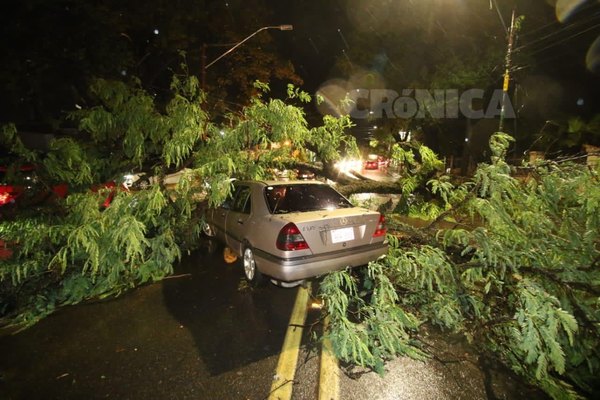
507 66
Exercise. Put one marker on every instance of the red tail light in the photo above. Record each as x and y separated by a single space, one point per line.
6 194
380 230
290 238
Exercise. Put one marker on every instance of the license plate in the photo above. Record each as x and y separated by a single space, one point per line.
342 235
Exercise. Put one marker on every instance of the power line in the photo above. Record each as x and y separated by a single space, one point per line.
499 15
556 21
538 29
561 31
563 40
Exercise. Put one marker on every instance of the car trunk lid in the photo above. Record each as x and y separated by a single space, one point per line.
331 230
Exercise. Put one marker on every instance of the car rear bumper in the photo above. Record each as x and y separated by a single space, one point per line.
293 269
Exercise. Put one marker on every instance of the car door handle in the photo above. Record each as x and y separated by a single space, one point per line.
240 221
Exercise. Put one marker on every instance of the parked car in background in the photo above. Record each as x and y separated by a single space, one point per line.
305 174
371 164
139 180
133 181
294 230
383 162
143 180
22 186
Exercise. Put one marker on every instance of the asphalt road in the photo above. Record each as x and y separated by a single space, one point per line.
204 334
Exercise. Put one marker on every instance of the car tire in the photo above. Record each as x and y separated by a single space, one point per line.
251 272
143 184
208 230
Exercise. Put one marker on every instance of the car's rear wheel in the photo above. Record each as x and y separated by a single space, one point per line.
253 275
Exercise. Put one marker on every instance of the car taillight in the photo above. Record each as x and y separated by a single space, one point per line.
290 238
7 194
380 230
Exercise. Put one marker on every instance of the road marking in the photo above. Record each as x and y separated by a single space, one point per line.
283 382
329 387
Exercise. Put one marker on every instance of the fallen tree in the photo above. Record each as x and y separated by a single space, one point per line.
76 249
516 269
521 277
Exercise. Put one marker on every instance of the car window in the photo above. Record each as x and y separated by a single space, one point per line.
241 202
283 199
248 206
228 202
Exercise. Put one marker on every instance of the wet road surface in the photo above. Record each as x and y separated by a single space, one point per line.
203 334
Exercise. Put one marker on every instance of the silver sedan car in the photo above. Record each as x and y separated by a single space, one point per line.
294 230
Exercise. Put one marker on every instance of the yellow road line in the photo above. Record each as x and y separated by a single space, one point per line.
329 387
281 388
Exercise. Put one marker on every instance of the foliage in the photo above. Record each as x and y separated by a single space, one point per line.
11 141
367 332
134 133
88 253
72 250
570 133
424 190
270 133
75 249
517 271
467 71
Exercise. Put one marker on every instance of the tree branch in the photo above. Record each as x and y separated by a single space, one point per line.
555 278
368 186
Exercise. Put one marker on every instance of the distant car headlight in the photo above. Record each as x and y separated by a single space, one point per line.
128 180
348 165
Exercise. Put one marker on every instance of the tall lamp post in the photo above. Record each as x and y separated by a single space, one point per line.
206 66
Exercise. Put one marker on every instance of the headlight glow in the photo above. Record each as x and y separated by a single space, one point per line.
348 165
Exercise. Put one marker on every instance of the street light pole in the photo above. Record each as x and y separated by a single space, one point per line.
206 66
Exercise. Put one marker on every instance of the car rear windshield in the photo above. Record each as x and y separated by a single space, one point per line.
282 199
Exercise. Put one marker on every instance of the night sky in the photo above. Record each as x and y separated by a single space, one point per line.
555 50
53 47
556 59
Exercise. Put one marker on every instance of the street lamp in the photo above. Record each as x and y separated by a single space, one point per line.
264 28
